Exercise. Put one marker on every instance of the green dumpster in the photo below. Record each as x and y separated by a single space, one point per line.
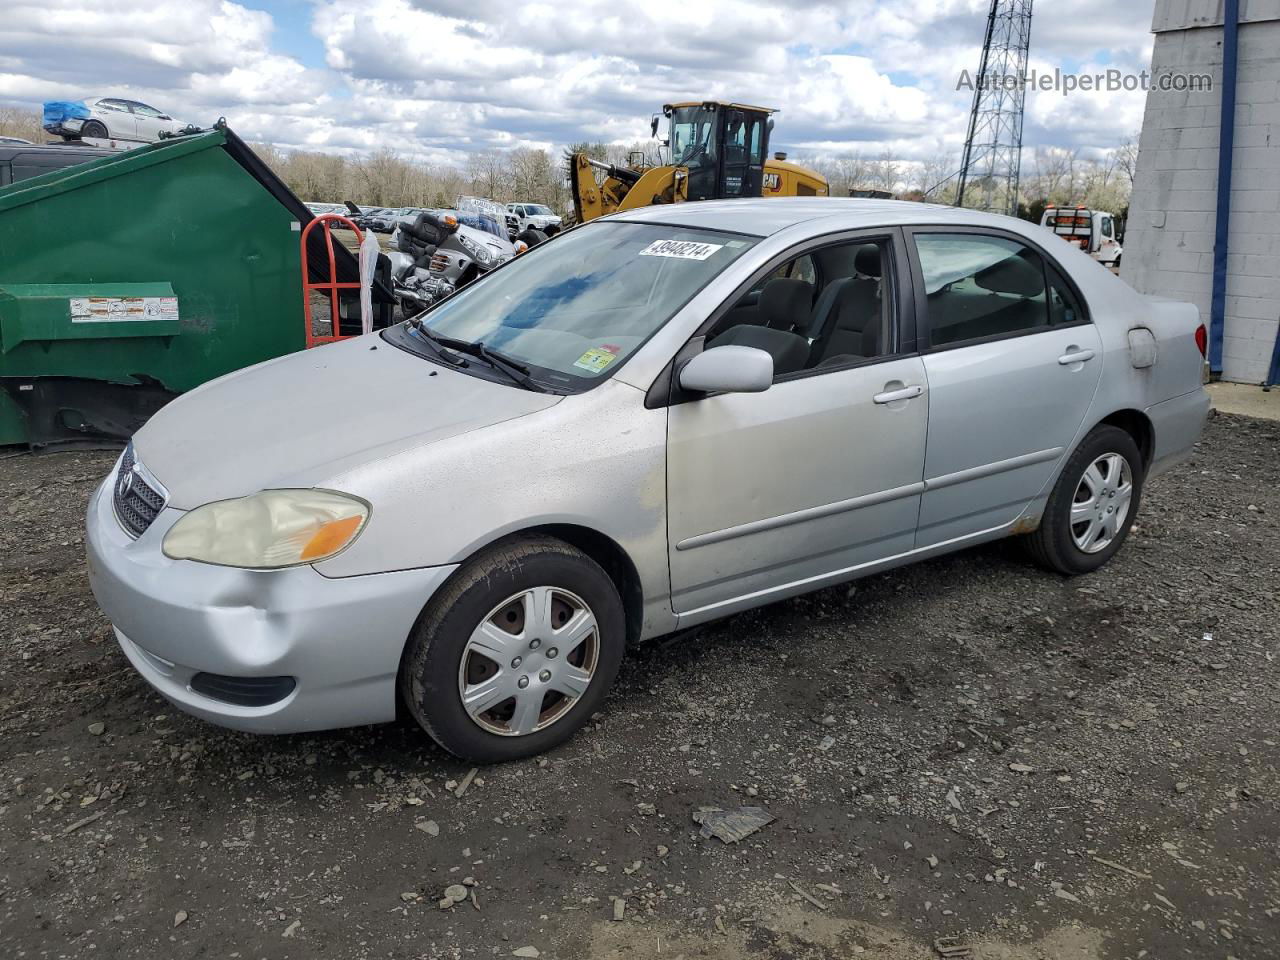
132 278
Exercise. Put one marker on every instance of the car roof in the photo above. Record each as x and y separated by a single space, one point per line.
761 217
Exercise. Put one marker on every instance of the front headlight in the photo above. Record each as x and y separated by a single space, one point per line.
274 528
478 253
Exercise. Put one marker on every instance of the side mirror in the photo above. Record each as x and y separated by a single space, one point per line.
728 369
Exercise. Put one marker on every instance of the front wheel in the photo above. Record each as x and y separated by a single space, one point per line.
516 652
1092 505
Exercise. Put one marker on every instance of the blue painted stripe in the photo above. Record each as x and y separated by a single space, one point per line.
1226 150
1273 377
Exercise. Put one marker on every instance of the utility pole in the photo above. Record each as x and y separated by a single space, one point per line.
993 149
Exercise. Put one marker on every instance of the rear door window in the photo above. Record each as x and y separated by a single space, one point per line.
979 286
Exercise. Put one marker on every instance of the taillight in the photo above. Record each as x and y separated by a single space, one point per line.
1202 340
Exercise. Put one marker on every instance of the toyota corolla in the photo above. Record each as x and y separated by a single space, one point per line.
655 420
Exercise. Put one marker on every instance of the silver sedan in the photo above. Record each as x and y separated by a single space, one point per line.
655 420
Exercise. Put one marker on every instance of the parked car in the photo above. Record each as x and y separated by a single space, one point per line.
377 219
664 417
535 216
319 209
108 118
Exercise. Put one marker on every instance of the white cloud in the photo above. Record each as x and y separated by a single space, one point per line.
440 79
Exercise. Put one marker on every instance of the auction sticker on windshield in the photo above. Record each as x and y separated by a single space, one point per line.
680 249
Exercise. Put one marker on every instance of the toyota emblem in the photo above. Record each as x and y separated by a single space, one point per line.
125 483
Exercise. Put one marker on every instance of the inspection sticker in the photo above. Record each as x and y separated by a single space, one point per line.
680 249
105 309
597 358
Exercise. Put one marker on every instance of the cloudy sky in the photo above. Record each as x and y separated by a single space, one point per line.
437 79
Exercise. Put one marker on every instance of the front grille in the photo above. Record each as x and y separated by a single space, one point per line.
137 502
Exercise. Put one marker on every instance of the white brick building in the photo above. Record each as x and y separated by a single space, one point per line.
1169 240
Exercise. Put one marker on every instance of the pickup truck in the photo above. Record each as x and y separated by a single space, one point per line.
523 216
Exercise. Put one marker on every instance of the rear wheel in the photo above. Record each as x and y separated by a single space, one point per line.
1092 505
516 653
94 128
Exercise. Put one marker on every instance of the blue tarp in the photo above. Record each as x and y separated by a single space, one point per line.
58 111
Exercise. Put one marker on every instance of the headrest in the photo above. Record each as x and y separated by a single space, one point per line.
867 260
1015 274
859 305
785 302
825 307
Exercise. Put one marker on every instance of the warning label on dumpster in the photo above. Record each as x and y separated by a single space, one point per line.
104 309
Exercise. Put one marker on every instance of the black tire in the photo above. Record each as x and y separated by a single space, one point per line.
551 230
433 660
1053 544
531 236
94 128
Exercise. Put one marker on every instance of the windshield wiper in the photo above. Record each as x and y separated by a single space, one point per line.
514 369
434 342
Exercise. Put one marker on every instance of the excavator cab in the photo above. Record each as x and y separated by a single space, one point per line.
723 146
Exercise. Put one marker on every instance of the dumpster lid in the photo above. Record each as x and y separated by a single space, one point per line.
345 263
220 136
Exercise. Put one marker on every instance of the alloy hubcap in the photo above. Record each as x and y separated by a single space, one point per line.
529 661
1101 503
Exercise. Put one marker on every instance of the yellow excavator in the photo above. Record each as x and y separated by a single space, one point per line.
717 151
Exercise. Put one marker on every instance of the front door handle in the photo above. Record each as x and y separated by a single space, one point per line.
904 393
1075 356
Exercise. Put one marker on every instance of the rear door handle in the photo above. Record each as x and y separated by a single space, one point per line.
906 393
1077 356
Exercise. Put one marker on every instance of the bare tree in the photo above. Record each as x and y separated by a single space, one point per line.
489 173
885 172
936 177
1127 157
24 124
1056 173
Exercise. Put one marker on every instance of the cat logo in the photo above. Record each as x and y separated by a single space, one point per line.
773 182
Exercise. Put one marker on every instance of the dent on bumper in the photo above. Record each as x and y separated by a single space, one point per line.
340 638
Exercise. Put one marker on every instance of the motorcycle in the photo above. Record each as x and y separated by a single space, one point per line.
466 253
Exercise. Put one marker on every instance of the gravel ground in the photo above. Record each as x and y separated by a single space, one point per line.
970 748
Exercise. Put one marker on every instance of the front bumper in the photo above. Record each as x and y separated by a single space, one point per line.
339 638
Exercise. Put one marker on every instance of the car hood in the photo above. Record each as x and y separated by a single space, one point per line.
301 419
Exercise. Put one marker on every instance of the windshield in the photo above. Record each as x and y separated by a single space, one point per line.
575 309
481 214
537 210
693 137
